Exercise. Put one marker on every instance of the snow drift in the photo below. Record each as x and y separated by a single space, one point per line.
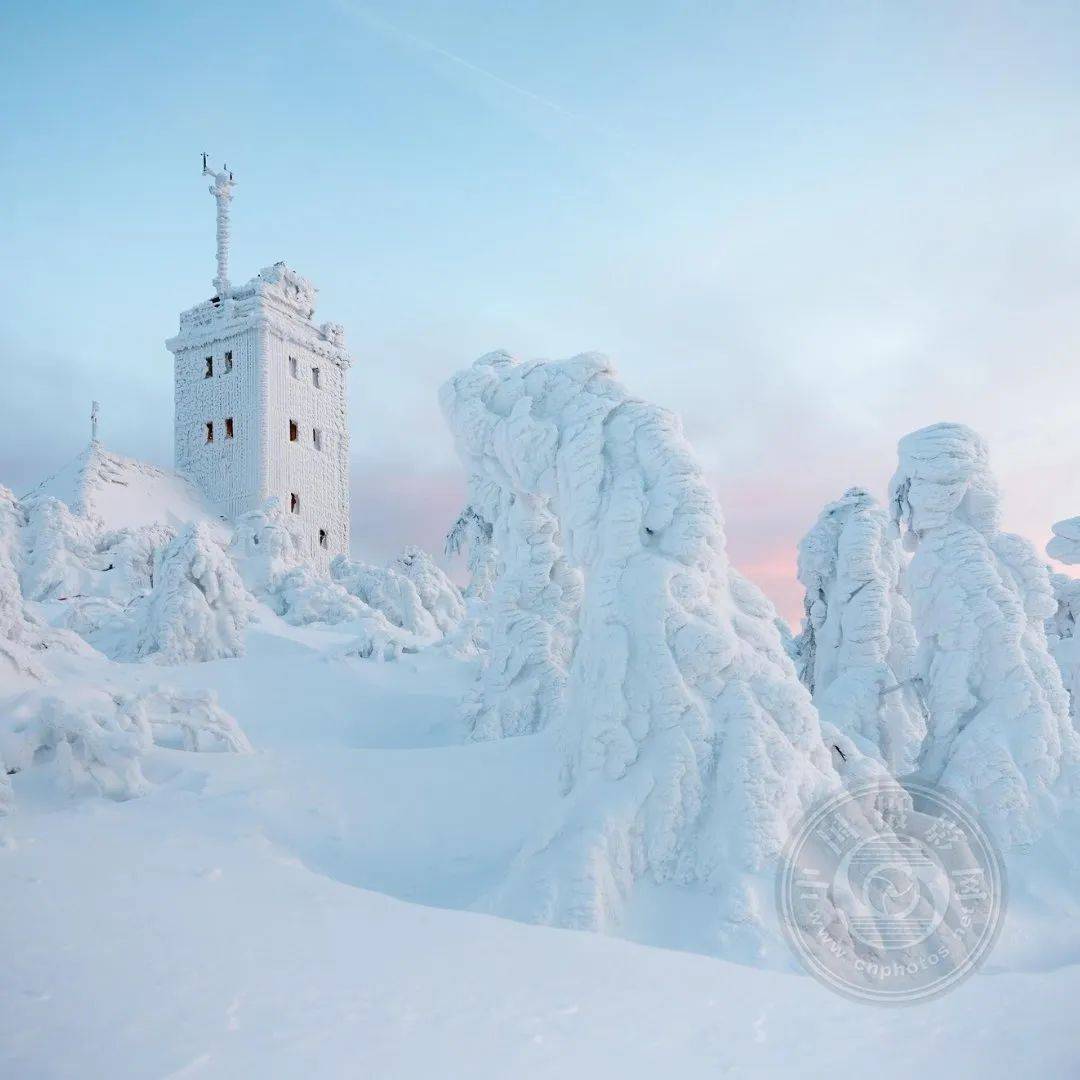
857 646
999 732
689 746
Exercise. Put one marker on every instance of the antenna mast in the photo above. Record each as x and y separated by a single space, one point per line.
221 189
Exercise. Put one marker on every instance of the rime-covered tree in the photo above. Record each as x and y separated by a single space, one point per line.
857 645
1063 626
999 732
689 745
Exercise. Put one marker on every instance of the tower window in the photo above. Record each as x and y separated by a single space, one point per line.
315 377
228 363
228 427
294 431
294 502
209 372
293 371
209 430
323 541
316 438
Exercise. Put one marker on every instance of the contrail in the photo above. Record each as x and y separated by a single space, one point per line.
379 23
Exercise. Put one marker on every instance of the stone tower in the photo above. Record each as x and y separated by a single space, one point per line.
260 397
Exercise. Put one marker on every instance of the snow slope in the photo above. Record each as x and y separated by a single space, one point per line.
123 493
235 920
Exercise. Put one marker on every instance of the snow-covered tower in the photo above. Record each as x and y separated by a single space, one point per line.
260 396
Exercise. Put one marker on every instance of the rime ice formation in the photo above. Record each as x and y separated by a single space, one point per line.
690 747
1064 545
260 399
1064 640
856 649
999 733
198 606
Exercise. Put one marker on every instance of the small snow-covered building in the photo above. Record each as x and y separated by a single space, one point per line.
260 396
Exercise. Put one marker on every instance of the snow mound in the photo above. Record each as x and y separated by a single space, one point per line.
999 733
857 646
198 606
122 493
689 746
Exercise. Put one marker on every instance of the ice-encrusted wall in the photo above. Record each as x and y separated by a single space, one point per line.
276 349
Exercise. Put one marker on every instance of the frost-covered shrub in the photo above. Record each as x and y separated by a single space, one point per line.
185 720
439 596
414 595
857 645
23 635
198 607
303 596
999 733
265 546
1063 637
91 743
473 532
690 747
379 639
391 592
59 552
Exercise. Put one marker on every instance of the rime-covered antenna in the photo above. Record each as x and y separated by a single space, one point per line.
95 412
221 189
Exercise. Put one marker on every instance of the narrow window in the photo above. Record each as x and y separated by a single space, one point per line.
228 427
209 372
316 438
294 502
322 538
292 368
294 431
228 363
209 430
315 376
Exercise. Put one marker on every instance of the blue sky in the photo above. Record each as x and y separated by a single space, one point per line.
808 228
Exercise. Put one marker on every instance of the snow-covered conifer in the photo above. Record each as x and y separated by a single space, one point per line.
690 747
999 733
198 607
857 645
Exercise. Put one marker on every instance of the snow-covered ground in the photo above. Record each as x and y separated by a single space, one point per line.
316 907
285 913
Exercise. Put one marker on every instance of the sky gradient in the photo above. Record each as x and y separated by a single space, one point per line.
807 228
